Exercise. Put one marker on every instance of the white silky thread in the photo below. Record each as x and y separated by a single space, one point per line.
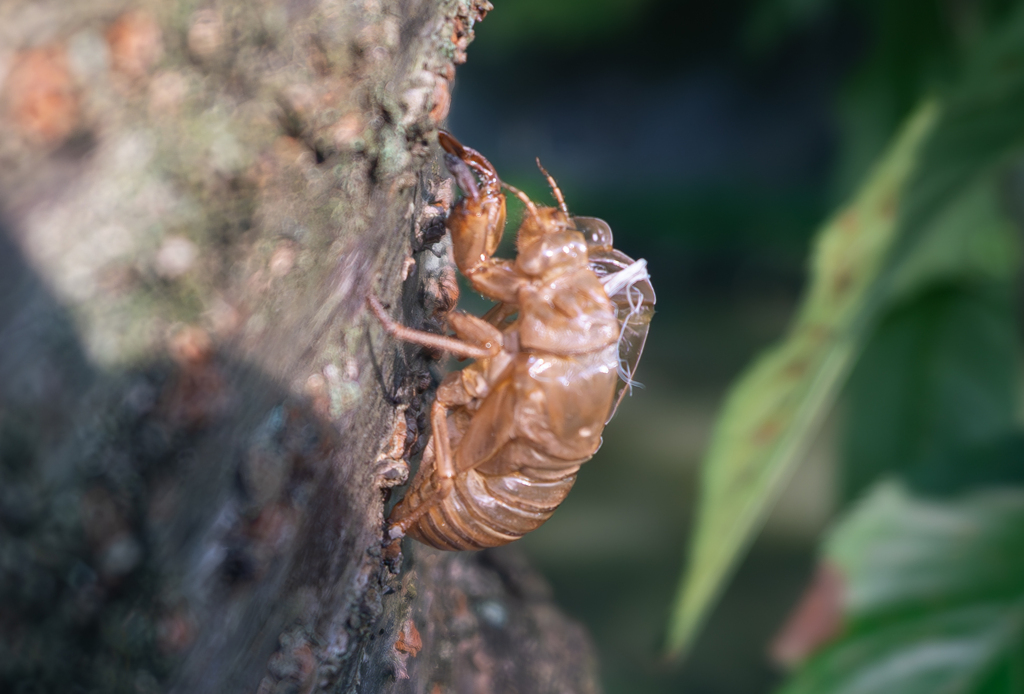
629 275
613 283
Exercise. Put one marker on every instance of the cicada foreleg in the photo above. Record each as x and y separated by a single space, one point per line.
476 222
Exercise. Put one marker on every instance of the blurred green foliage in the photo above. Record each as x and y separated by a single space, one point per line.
776 408
567 22
933 589
915 48
934 597
629 75
940 376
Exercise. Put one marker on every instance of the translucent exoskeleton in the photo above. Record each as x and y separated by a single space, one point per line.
553 360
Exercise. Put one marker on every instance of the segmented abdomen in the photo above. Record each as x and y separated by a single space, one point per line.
525 444
488 511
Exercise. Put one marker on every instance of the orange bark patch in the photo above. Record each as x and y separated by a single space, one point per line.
347 130
442 100
409 640
190 346
460 38
41 94
199 391
135 43
306 661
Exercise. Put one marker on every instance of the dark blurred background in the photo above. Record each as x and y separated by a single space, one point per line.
714 137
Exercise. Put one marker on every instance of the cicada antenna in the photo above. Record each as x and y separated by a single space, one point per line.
554 188
522 196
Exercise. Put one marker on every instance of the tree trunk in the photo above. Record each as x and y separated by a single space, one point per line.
198 420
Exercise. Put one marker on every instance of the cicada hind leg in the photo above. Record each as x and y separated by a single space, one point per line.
434 511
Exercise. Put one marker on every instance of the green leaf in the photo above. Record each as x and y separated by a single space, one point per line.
777 405
938 376
980 129
970 242
948 652
865 257
933 597
897 552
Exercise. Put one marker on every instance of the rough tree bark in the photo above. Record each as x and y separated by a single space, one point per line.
198 421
